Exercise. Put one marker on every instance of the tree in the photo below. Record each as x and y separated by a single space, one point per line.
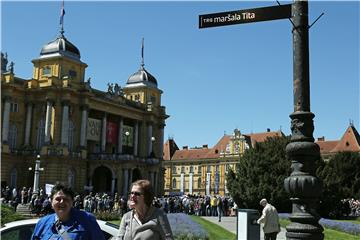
341 178
260 174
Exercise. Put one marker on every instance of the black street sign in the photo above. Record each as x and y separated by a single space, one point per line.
245 16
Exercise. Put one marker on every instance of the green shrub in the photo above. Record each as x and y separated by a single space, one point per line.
8 214
107 216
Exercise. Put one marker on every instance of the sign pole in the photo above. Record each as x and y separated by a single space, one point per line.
302 184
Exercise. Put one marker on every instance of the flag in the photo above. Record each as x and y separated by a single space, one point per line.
62 13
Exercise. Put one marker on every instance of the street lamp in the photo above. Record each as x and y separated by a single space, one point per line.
152 154
36 175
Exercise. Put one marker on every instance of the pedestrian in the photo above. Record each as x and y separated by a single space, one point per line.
270 218
219 207
144 221
67 222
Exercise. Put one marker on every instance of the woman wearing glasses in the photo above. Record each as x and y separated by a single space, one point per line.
144 221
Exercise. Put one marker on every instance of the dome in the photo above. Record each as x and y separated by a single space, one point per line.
60 45
142 76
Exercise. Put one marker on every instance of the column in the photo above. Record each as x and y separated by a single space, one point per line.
84 117
182 179
149 135
190 183
125 181
103 133
65 124
161 141
113 186
48 121
136 138
120 136
6 120
28 123
208 179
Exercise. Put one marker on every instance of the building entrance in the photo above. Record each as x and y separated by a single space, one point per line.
101 179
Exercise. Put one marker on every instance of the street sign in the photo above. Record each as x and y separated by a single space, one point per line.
245 16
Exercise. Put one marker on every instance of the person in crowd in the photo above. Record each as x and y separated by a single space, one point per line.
219 207
270 219
144 221
67 222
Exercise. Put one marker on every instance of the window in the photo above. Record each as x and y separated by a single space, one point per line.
13 178
12 136
217 168
40 139
14 107
174 169
199 170
46 71
182 169
72 73
71 178
71 136
199 183
208 168
174 183
191 169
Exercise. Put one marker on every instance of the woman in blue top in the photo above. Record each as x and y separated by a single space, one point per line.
67 222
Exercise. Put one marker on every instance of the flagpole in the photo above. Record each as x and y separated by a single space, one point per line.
62 13
142 53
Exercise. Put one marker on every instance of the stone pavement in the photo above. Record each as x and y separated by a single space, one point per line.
229 223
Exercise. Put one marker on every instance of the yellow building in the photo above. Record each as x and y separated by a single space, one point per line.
202 170
87 138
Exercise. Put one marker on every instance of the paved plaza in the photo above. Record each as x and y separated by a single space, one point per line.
229 223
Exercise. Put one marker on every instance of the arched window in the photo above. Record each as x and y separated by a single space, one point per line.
12 136
71 178
13 178
174 183
40 134
71 136
191 169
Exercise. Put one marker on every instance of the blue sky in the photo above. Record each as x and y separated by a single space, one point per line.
215 79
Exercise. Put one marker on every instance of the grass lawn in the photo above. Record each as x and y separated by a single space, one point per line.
329 234
215 232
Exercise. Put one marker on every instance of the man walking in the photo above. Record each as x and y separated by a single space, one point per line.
270 218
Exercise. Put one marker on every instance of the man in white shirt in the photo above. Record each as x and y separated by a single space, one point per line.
270 218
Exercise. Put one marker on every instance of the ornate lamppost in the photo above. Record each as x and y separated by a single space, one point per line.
36 175
302 184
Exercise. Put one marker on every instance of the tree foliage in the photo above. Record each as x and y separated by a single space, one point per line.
260 174
341 178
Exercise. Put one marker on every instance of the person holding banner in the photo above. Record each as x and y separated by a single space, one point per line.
67 222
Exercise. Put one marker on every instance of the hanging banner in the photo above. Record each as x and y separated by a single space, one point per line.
111 132
93 129
182 180
191 183
208 179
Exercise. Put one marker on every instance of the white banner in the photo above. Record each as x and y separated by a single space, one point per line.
48 188
93 129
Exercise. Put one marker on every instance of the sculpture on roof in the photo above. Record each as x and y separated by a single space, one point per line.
11 67
4 62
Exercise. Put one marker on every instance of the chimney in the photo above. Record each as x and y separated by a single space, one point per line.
268 130
205 146
321 139
185 147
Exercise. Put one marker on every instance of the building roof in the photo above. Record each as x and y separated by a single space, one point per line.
142 77
60 46
220 146
350 141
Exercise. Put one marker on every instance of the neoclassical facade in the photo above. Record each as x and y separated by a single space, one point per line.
202 170
90 139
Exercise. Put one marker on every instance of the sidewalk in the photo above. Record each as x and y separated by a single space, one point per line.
229 223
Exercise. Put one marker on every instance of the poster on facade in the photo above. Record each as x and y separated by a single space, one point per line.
93 129
111 132
128 135
208 179
217 183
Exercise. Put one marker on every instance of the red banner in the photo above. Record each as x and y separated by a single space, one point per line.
111 132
